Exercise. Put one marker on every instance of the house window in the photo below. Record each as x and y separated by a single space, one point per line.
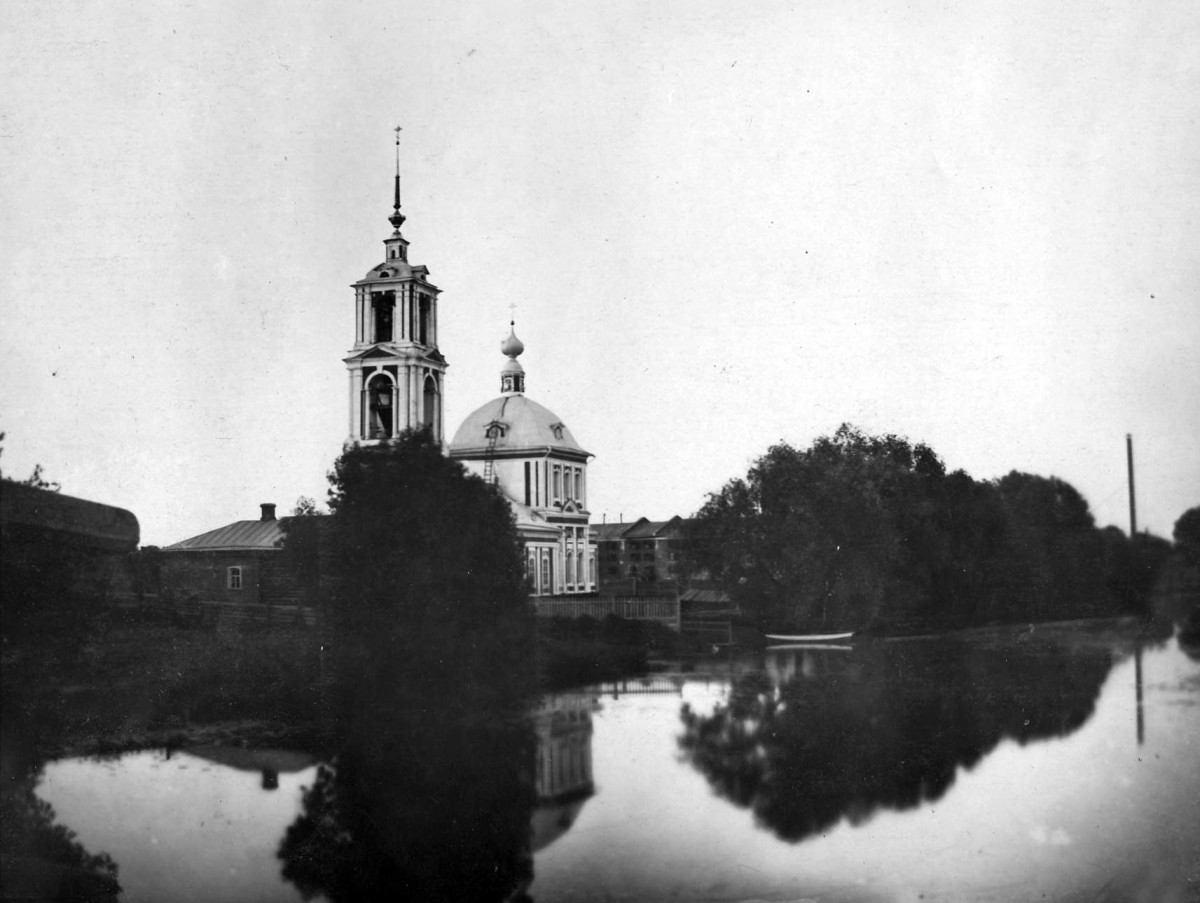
233 578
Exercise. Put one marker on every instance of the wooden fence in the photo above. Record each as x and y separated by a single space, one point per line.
631 608
210 613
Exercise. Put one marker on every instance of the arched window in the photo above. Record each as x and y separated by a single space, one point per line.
380 409
547 574
431 402
570 568
233 578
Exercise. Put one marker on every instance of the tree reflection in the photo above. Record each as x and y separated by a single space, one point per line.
822 735
431 790
41 859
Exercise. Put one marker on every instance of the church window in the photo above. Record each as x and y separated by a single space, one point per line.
547 574
527 487
233 578
557 483
579 485
570 568
592 569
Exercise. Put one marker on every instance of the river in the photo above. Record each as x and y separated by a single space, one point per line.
1061 763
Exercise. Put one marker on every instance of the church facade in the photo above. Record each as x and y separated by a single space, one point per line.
529 453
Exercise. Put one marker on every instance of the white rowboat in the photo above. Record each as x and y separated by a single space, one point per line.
810 637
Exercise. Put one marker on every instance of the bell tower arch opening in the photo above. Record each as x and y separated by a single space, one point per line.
430 405
381 407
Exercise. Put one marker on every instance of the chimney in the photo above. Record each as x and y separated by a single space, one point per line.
268 511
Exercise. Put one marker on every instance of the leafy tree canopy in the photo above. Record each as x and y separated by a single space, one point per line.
1187 531
411 540
862 530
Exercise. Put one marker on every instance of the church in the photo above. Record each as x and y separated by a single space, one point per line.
397 379
529 453
396 382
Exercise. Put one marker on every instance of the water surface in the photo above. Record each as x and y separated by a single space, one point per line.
1002 767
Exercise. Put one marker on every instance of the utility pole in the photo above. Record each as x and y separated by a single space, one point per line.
1132 498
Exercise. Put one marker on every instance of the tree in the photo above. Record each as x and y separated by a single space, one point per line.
1187 532
822 536
301 546
861 530
416 554
36 479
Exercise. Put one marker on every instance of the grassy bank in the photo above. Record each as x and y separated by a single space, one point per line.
112 685
134 684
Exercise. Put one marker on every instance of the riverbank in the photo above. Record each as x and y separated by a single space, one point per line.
128 684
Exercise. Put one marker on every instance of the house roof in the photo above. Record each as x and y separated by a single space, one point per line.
642 529
610 531
242 535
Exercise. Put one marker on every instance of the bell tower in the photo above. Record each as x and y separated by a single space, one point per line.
397 374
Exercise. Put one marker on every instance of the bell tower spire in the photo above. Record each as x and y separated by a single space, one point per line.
397 218
397 372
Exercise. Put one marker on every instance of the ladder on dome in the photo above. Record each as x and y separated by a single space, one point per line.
489 469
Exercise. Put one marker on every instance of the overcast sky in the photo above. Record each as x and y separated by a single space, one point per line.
723 226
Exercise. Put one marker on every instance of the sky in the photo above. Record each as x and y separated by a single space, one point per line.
722 227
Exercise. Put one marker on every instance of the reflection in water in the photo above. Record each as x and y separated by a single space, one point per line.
563 768
430 790
41 859
822 735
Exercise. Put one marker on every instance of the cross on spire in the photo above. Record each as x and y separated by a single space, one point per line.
397 218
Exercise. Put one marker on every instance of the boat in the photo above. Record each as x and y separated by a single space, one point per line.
810 637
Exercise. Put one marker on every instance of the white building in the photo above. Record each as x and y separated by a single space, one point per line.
529 453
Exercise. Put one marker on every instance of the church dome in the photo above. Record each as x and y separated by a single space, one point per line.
522 424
